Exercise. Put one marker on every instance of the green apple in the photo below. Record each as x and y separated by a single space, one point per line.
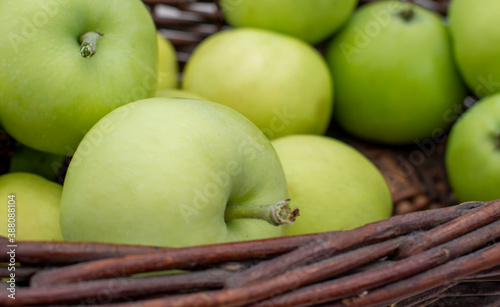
278 82
168 68
311 20
476 43
173 172
33 204
395 80
59 76
473 152
176 93
333 184
29 160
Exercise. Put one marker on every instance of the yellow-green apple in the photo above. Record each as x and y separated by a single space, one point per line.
395 79
333 184
473 152
168 69
177 93
174 172
279 82
29 160
31 207
476 43
65 64
312 20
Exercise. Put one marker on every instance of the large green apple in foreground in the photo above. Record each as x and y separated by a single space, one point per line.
35 205
336 187
395 80
173 172
473 152
278 82
29 160
311 20
59 76
476 43
168 68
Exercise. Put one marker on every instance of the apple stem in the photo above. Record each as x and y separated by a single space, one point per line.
89 43
276 214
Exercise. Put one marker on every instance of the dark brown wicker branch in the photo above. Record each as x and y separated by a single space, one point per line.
422 298
180 258
187 258
357 283
395 226
489 275
450 290
448 231
441 275
105 291
58 253
473 289
316 272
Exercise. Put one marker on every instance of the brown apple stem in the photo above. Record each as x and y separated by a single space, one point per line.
276 214
89 43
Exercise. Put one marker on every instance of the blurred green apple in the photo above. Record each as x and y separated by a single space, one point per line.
473 152
176 93
476 43
168 69
395 80
311 20
278 82
36 207
29 160
334 185
173 172
59 76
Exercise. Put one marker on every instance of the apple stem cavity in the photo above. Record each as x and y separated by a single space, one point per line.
276 214
89 43
408 12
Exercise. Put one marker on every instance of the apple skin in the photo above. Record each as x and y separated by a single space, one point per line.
245 69
476 43
333 184
168 68
176 93
473 152
395 80
312 20
50 94
37 206
29 160
160 171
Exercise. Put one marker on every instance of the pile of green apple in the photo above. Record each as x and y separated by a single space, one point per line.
231 149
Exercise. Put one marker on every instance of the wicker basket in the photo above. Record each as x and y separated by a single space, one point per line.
432 252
